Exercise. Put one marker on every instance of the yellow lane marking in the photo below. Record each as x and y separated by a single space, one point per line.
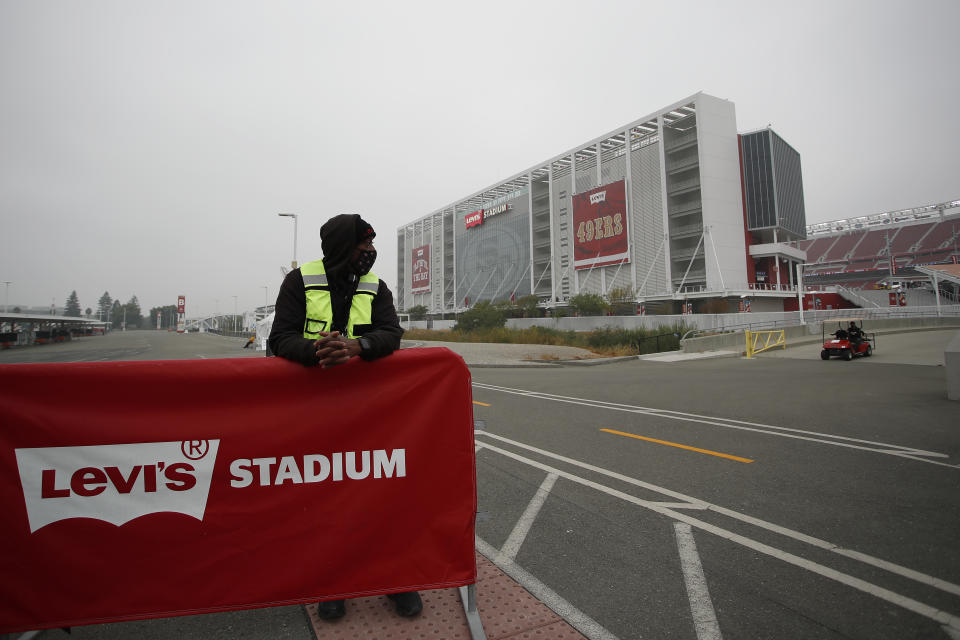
482 404
680 446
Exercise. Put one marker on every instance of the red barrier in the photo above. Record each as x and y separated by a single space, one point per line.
149 489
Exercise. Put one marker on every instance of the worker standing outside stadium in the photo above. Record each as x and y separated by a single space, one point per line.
334 309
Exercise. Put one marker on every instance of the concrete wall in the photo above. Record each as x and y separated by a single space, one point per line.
721 194
811 332
734 323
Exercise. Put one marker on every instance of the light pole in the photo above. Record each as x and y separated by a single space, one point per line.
294 216
265 300
800 266
6 294
234 314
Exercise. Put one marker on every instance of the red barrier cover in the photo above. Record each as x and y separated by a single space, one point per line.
149 489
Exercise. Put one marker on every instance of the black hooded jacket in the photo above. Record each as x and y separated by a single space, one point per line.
286 336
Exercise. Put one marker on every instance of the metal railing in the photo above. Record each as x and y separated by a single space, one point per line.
792 318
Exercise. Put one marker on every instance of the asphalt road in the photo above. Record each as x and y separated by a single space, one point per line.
843 524
915 347
806 499
132 345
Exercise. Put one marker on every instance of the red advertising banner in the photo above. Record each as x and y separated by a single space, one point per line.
175 495
421 270
181 304
600 227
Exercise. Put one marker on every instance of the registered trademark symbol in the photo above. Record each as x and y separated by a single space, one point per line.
194 449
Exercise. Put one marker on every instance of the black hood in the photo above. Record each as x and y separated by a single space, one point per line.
338 239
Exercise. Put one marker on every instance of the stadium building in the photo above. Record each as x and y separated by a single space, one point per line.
676 211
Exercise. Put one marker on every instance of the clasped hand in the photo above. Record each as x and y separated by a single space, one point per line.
333 349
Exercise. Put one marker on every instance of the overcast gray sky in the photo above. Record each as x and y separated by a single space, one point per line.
146 147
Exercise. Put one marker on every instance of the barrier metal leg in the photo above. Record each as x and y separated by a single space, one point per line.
468 596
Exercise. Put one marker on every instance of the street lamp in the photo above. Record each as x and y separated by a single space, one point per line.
266 300
234 314
6 294
294 216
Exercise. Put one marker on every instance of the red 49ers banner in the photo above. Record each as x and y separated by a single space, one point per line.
420 272
600 227
149 489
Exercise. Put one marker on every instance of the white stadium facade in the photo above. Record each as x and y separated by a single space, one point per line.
676 210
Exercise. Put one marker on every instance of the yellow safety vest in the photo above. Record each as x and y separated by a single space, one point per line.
320 310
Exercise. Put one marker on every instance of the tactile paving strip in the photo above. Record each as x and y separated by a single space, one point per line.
507 610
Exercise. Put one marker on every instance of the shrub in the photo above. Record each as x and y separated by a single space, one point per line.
418 312
589 304
483 315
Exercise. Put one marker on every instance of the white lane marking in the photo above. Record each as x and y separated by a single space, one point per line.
681 505
701 607
915 457
783 432
923 578
953 634
576 618
520 530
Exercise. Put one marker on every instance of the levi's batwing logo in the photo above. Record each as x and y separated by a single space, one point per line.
117 482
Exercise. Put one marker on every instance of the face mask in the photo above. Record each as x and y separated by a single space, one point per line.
364 262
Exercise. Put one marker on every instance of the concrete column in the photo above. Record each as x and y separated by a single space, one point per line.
951 361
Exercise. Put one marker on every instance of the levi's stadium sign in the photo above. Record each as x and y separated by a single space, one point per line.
477 217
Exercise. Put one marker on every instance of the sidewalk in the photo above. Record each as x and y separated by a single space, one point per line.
507 610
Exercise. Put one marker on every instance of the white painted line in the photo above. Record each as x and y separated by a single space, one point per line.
699 506
923 578
701 607
884 594
729 423
520 530
574 617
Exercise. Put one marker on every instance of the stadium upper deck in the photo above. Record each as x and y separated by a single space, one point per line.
878 246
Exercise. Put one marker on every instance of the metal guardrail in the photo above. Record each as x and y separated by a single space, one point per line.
759 341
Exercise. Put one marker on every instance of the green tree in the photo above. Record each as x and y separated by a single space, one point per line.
483 315
73 305
104 305
418 312
622 301
168 316
115 315
88 311
528 306
589 304
134 315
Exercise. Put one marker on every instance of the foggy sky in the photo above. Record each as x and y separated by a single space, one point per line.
147 147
